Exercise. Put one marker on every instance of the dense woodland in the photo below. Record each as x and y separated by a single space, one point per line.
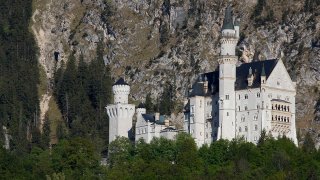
77 158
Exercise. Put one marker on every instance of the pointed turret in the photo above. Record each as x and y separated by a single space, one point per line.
228 20
263 75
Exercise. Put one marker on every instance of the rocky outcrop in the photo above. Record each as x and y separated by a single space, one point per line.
151 42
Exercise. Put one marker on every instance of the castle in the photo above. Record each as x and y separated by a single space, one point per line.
240 100
236 101
121 114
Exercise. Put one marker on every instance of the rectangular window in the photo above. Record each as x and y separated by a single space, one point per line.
227 97
227 113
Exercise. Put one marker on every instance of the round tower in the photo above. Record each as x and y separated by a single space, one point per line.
141 109
227 77
121 91
120 113
229 36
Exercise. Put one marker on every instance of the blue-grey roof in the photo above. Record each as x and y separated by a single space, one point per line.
171 129
151 118
242 72
228 20
121 82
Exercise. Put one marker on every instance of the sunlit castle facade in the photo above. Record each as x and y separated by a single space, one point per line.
240 100
121 112
147 126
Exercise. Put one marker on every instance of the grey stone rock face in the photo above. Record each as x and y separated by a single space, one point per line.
151 42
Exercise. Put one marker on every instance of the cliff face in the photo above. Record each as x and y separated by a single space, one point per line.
151 42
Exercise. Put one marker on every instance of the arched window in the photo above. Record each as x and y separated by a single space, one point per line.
256 127
276 107
272 107
288 119
272 117
243 119
258 94
285 119
239 96
288 108
281 107
276 117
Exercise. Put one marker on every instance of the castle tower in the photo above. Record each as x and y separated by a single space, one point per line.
141 109
227 77
120 113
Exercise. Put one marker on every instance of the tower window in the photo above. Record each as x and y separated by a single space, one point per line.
246 96
227 97
227 113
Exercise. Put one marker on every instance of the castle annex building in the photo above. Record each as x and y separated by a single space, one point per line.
240 100
121 113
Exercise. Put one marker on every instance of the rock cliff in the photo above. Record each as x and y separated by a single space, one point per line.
150 42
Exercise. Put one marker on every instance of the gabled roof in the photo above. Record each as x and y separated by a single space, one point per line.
242 72
257 70
121 82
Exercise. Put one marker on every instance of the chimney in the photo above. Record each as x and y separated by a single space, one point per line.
157 116
205 85
167 123
250 77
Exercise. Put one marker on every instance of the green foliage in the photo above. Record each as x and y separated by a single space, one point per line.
19 75
167 101
149 104
77 158
308 144
82 91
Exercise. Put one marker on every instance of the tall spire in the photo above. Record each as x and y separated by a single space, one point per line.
228 20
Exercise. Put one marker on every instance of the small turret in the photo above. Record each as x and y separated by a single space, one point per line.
250 77
263 75
205 84
141 109
121 91
237 27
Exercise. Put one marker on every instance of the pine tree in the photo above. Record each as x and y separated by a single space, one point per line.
149 105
